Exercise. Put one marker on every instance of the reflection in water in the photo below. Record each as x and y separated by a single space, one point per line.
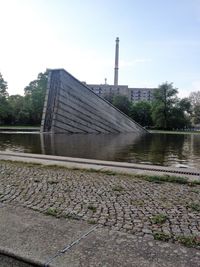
160 149
95 146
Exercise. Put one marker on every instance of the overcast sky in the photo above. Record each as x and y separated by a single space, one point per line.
159 41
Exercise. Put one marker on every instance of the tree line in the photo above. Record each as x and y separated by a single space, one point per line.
166 111
23 110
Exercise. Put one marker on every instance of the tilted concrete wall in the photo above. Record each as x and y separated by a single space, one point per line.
70 106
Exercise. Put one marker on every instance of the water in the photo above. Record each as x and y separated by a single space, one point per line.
160 149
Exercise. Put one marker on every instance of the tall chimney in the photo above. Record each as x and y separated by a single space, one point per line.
116 62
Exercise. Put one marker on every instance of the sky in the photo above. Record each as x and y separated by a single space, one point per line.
159 41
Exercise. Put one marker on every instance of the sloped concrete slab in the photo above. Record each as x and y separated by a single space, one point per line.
72 107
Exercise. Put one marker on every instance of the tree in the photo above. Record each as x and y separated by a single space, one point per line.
3 87
16 103
141 113
195 98
4 107
34 99
195 102
180 114
164 100
122 103
109 97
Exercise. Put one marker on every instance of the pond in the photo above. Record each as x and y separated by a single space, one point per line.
159 149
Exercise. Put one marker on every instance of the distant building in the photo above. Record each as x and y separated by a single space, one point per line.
141 94
133 94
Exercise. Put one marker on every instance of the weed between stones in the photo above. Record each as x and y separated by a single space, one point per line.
189 241
52 182
194 206
166 178
159 218
52 212
118 188
161 236
91 222
92 208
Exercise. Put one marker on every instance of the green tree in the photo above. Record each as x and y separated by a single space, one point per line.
122 103
141 113
34 99
195 103
16 103
180 114
109 97
168 111
164 100
4 106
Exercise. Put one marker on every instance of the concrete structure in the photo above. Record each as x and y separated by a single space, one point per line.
72 107
116 62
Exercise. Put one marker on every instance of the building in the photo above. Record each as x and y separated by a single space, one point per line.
133 94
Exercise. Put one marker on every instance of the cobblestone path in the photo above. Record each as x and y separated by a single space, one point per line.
163 211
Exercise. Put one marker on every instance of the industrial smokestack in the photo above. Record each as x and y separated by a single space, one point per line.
116 62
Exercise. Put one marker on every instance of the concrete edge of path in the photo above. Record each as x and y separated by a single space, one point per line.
26 241
118 167
34 239
88 164
21 258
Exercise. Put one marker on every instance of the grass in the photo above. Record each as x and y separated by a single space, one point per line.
118 188
72 216
92 208
149 178
189 241
159 218
165 178
196 191
137 202
100 171
161 236
19 126
174 132
52 182
91 221
52 211
194 206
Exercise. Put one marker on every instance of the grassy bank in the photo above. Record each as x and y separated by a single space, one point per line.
19 128
174 132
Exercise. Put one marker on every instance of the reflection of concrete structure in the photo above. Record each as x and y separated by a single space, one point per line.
93 146
72 107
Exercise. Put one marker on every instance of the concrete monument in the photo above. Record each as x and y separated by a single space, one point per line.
72 107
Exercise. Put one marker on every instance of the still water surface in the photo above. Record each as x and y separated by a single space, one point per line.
160 149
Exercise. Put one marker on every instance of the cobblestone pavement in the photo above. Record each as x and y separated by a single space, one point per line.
165 211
